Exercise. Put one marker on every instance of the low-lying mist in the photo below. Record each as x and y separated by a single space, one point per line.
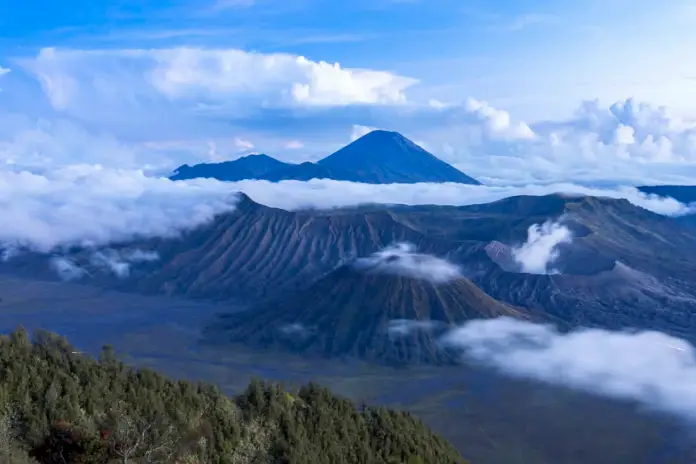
651 368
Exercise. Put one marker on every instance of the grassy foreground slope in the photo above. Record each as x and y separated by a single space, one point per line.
59 406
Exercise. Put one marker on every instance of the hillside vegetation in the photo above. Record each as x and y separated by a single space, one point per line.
59 406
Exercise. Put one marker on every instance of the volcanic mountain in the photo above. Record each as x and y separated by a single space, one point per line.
383 157
621 265
377 309
379 157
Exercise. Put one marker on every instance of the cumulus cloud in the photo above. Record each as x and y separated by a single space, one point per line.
626 142
160 96
402 259
651 368
359 131
538 253
497 122
95 206
74 78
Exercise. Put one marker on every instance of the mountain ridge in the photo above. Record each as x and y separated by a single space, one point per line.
253 166
379 157
257 253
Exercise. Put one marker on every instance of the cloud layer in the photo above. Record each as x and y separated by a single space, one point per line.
322 193
95 205
648 367
401 259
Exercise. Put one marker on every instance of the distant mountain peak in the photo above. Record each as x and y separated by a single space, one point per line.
251 166
255 156
382 133
383 157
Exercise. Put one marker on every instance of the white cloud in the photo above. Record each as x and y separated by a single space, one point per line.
119 262
498 122
294 145
66 269
402 259
112 262
42 144
360 131
538 253
648 367
243 144
213 155
323 193
139 256
96 206
134 99
74 80
3 71
628 142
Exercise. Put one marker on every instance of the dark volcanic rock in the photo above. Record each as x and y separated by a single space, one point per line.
307 171
357 313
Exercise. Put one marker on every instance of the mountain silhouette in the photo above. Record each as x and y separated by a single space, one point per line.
246 167
379 157
382 157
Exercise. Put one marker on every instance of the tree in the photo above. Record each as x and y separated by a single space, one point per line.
138 437
70 408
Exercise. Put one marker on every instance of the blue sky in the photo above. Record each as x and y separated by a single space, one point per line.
534 61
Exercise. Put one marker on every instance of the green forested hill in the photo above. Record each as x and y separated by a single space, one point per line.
58 406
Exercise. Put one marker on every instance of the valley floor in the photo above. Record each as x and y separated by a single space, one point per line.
489 418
